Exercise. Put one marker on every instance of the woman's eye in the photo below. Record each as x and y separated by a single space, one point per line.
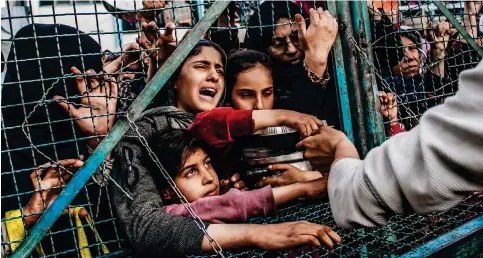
220 71
277 43
190 173
245 94
267 93
208 164
200 67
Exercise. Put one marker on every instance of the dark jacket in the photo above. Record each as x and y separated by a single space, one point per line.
148 227
295 91
416 94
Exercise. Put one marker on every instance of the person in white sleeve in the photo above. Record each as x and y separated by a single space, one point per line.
431 168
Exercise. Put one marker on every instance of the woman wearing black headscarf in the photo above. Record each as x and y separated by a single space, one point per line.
399 59
41 55
300 55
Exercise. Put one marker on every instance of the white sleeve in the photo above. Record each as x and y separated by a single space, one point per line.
430 168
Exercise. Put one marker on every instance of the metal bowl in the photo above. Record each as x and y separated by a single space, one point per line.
292 157
256 173
275 130
275 138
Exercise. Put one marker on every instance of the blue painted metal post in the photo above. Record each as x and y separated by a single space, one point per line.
200 9
361 24
345 110
354 87
140 103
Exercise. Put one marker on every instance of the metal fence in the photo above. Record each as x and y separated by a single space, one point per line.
420 50
383 46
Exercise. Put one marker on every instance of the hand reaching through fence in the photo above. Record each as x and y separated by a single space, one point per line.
130 59
325 146
230 17
158 46
270 236
292 234
290 175
48 181
95 115
146 15
305 124
439 36
388 107
317 40
470 18
389 111
233 182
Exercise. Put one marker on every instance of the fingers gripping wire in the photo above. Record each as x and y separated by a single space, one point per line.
43 101
214 244
25 122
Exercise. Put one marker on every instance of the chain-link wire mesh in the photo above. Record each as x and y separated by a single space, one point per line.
419 55
402 234
52 112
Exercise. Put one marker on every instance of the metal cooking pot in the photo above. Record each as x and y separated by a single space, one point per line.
271 146
274 138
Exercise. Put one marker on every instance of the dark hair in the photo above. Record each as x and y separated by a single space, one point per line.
262 23
411 34
243 60
166 96
172 147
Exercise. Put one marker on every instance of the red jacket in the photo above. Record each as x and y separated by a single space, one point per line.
218 127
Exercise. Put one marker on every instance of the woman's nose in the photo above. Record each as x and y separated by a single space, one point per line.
213 75
291 48
258 104
207 177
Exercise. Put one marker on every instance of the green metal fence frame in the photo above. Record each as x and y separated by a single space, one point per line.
357 92
121 127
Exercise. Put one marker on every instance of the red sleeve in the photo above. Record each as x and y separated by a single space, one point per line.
218 127
392 130
234 206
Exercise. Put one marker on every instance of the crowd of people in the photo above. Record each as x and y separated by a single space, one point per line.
223 90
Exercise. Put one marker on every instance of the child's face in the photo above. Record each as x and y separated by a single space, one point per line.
253 89
197 178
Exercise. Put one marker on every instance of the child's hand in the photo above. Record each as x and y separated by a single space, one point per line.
316 189
48 180
290 175
158 46
388 106
233 182
293 234
305 124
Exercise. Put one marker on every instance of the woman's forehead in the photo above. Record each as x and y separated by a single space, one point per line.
407 41
284 28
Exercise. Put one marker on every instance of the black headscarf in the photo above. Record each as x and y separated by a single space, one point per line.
23 88
262 23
